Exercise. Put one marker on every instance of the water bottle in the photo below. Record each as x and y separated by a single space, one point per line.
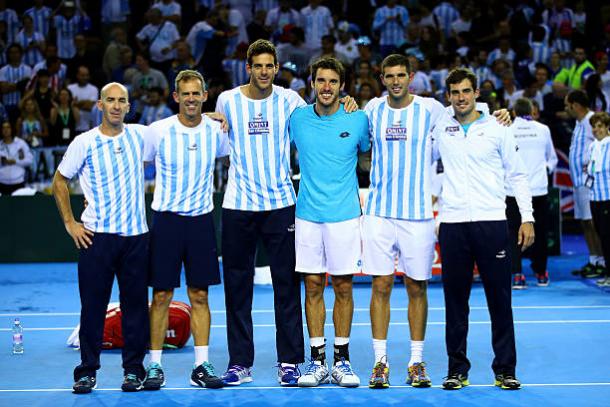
17 337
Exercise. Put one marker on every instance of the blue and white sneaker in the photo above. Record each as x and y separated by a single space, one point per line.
288 374
343 375
315 375
236 375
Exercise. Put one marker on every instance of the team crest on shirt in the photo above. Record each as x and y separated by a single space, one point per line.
396 132
258 125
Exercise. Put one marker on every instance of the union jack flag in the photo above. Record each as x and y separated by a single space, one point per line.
563 182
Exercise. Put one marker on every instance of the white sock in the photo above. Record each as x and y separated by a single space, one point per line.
417 352
201 354
341 341
155 356
316 341
380 349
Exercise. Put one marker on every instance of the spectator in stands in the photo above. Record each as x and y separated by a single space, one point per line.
530 92
112 54
599 101
85 95
508 90
13 79
32 42
155 109
365 93
144 79
420 81
364 75
599 170
15 158
256 29
236 27
328 51
63 118
277 18
576 75
126 70
347 43
430 42
31 126
602 70
288 75
66 24
366 53
41 15
202 34
555 64
235 67
391 21
184 60
541 52
89 57
170 11
9 16
58 71
446 14
294 50
542 77
42 93
115 14
158 38
504 51
317 22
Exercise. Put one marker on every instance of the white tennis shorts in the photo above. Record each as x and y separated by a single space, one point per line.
332 248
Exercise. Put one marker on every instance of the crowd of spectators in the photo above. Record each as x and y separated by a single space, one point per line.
56 55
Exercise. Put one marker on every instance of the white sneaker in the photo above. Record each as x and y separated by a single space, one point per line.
315 374
343 375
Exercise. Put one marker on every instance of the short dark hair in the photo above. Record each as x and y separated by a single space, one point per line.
602 117
328 63
580 97
457 75
259 47
522 107
396 60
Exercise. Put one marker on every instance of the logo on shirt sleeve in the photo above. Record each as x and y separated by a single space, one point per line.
258 125
344 134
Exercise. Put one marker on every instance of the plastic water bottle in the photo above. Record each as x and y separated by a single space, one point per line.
17 337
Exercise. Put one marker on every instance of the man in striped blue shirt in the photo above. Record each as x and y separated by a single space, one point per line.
599 170
113 235
184 148
67 25
577 106
260 203
391 20
41 15
317 22
398 221
13 78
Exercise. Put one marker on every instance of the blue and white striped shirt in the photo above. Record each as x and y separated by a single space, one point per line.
498 54
317 23
265 5
184 158
446 14
115 11
32 56
236 68
9 16
392 31
402 158
582 137
259 175
41 18
198 38
111 174
599 168
66 30
151 114
12 74
541 52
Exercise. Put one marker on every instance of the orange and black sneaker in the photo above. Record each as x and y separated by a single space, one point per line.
417 376
380 378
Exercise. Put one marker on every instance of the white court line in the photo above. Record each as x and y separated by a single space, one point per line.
245 388
270 311
438 323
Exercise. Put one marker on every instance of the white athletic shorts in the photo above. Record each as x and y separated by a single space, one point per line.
582 203
385 239
332 248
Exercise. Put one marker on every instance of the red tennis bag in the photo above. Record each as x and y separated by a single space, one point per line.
178 327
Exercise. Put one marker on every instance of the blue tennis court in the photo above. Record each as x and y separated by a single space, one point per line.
562 345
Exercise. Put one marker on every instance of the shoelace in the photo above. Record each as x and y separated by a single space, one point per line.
345 368
379 370
154 372
294 370
236 369
209 369
84 379
420 370
312 367
131 376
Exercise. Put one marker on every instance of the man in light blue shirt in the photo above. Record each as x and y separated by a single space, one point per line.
328 216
